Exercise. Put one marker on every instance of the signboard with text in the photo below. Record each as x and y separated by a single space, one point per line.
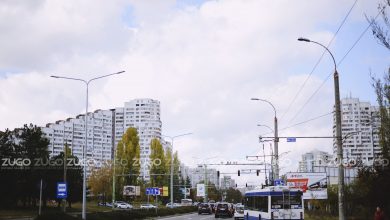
313 185
200 190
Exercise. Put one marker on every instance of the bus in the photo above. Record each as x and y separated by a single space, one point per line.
274 202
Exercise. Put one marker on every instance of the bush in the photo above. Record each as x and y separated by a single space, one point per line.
56 216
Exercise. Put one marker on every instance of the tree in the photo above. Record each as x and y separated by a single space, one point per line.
127 160
233 195
100 182
8 176
381 31
158 164
27 144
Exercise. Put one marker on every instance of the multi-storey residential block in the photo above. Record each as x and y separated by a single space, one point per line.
360 123
105 130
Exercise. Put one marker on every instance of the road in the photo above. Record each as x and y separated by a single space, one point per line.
193 216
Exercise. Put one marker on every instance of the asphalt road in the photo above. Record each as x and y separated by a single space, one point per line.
193 216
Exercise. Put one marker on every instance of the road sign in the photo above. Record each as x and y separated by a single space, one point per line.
279 182
291 139
62 190
153 191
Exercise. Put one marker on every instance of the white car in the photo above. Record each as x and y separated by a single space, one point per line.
123 205
175 205
239 212
148 206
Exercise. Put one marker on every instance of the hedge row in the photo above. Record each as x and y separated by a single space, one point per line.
122 214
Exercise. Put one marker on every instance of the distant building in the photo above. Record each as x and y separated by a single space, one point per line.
320 161
199 173
227 182
360 123
105 130
313 159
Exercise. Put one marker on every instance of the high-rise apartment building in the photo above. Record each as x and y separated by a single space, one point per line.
360 124
314 159
105 130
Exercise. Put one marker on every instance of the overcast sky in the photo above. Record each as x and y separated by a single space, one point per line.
203 60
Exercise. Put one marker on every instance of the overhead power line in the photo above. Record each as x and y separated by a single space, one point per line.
318 62
338 64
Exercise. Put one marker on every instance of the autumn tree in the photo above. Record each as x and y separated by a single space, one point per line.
158 164
100 182
127 166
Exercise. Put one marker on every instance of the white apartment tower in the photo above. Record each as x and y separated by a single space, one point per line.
144 115
105 130
360 124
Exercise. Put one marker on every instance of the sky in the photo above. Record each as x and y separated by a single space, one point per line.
204 60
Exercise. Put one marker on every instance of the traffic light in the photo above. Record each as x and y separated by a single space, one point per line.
218 174
246 184
257 172
238 173
236 185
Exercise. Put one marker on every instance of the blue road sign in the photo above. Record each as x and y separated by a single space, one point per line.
153 191
291 139
62 190
279 182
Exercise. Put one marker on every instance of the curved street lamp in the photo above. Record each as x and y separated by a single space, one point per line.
338 130
86 82
276 139
172 139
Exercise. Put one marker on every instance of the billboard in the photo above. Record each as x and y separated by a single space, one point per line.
200 190
131 190
313 185
165 191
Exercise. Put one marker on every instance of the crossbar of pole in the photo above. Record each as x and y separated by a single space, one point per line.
236 164
304 137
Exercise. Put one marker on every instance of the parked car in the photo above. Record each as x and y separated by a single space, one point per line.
175 205
124 205
204 208
239 212
115 204
223 209
148 206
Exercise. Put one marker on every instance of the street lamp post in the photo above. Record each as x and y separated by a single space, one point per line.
276 138
338 131
86 82
172 139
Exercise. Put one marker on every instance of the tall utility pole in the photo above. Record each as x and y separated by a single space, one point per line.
86 82
65 166
172 139
339 141
276 139
206 193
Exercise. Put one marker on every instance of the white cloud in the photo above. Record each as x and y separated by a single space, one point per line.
203 63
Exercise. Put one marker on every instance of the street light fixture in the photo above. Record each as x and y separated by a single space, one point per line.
86 82
260 125
172 139
276 139
338 131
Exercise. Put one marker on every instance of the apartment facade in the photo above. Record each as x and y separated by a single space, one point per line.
105 130
314 159
360 123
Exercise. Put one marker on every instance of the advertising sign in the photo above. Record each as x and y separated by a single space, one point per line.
200 190
129 190
165 191
313 185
